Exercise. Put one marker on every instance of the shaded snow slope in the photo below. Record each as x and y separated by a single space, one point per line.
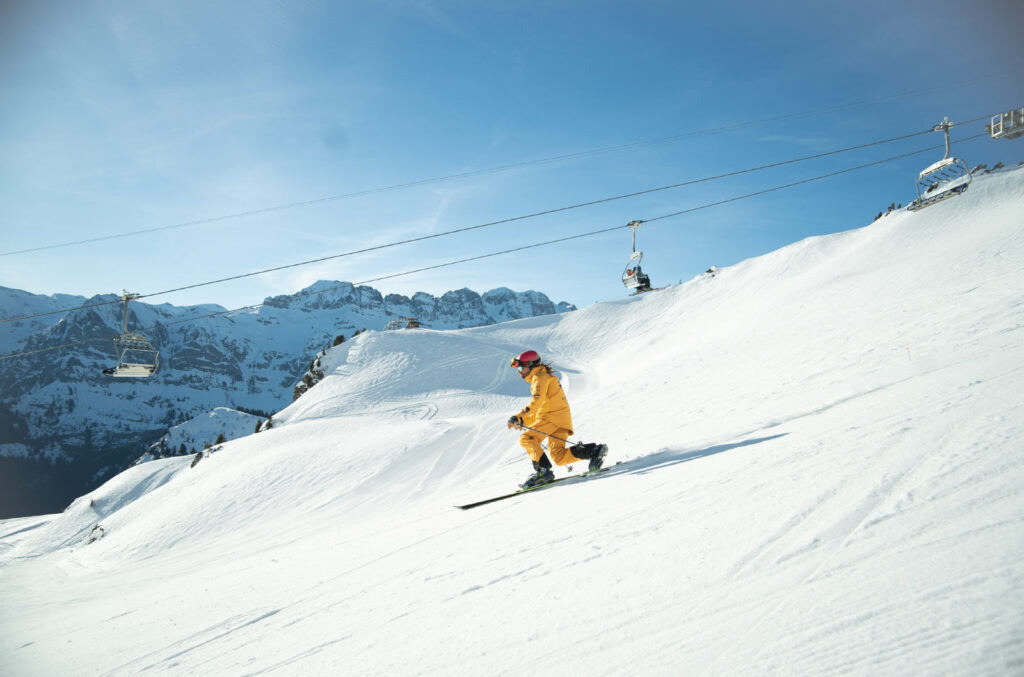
819 472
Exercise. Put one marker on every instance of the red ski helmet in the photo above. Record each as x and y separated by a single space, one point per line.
530 358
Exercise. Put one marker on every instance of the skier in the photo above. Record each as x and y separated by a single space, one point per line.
549 416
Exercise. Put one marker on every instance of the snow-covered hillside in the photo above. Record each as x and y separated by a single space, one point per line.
196 434
65 426
818 471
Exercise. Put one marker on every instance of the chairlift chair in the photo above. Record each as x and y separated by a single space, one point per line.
946 178
633 276
136 356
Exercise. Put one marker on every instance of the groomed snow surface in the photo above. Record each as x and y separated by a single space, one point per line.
819 471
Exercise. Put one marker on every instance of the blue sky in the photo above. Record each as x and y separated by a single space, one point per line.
117 117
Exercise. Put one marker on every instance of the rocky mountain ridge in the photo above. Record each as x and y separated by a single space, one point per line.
64 426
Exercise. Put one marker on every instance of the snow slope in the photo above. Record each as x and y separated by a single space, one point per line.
819 472
201 432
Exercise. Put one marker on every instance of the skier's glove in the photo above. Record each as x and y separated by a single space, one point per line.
515 422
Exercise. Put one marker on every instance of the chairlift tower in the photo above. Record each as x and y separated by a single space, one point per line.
1008 125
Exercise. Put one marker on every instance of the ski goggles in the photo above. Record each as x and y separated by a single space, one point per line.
516 362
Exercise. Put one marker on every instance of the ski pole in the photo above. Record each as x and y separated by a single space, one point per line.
554 437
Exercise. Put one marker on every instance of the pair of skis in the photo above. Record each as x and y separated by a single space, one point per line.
540 487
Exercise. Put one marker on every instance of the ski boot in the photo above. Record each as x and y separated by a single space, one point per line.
597 457
543 475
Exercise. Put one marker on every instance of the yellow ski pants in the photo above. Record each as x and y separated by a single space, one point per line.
557 451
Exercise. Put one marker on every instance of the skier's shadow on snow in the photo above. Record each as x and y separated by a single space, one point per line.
669 457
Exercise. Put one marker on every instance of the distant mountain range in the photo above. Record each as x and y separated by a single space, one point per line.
65 426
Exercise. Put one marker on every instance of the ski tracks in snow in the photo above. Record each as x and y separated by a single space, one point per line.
842 531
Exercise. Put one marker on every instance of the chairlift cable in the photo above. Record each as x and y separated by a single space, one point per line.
509 220
46 350
545 212
569 237
517 249
798 183
486 225
500 168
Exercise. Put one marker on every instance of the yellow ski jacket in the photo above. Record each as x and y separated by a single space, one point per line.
548 403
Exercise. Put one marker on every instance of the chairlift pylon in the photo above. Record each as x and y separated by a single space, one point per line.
948 177
136 356
633 276
1008 125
